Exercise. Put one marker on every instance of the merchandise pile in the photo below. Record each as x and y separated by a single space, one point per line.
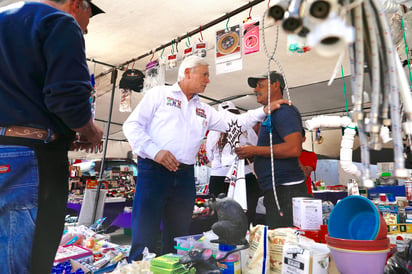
87 250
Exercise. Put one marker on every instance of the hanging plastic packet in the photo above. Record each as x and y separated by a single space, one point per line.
200 49
171 62
250 37
155 75
125 100
187 52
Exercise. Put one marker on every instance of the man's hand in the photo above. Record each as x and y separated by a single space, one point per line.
245 151
90 136
275 104
167 159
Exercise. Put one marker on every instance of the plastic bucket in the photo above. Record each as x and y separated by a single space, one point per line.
357 218
354 261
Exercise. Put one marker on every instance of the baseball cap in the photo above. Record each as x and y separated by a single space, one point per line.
95 9
274 77
132 79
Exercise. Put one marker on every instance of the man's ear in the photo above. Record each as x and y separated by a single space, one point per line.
274 85
75 6
187 73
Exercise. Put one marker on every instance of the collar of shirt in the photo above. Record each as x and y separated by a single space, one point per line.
176 89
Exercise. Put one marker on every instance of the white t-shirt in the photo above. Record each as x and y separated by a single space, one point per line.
222 159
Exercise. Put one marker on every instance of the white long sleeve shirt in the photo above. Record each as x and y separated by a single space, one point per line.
165 120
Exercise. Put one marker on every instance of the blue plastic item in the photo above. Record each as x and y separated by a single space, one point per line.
355 218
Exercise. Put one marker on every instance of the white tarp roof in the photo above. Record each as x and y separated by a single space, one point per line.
130 29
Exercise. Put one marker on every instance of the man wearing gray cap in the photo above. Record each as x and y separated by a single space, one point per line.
44 100
284 127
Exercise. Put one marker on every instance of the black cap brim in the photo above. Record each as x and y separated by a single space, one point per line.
252 81
95 9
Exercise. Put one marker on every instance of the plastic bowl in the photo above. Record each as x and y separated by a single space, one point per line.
356 218
358 245
355 262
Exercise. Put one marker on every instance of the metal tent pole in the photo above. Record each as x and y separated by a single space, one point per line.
106 141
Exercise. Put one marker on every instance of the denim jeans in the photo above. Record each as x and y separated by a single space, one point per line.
19 182
162 198
33 198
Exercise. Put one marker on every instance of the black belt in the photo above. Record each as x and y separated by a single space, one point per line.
183 166
180 167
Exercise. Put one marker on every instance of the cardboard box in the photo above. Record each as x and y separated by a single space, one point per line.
307 213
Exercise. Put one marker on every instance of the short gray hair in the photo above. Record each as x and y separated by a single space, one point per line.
59 1
190 62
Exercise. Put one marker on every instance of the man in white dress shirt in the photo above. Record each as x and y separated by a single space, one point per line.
165 131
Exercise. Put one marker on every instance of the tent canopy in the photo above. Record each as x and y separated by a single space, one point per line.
132 33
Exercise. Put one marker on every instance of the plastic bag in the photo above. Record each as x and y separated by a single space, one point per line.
400 262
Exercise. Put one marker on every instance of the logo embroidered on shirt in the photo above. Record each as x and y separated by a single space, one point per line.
174 102
201 112
4 168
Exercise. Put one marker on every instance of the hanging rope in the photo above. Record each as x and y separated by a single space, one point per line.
151 58
201 35
344 91
269 118
249 17
406 50
161 55
188 40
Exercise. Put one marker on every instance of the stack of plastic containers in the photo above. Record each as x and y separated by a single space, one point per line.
357 236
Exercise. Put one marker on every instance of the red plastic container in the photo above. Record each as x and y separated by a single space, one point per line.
360 245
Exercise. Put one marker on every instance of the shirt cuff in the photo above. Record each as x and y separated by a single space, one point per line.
152 150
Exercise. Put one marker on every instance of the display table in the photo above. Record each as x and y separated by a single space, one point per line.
123 220
112 209
199 224
330 195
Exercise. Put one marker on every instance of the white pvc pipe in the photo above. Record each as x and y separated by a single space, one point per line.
405 96
346 151
384 133
327 121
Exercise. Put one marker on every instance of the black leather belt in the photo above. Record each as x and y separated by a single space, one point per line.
180 167
183 166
